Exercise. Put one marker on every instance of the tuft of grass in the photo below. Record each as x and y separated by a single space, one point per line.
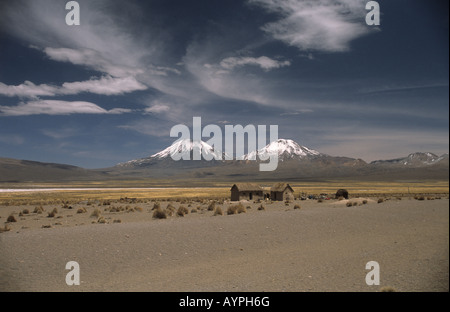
364 201
6 228
380 200
159 214
212 206
96 213
26 211
38 209
297 206
218 211
232 210
11 218
53 213
117 221
101 220
81 210
421 198
182 211
193 210
156 206
261 207
241 209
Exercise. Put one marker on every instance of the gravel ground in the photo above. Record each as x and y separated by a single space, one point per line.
321 247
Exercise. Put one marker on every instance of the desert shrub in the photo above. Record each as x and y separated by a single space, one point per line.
159 214
53 213
380 200
261 207
117 221
241 209
170 207
106 203
6 228
348 204
212 206
355 203
38 210
81 210
232 209
156 206
182 211
297 206
25 211
364 201
218 211
320 200
421 198
101 220
96 213
11 218
193 210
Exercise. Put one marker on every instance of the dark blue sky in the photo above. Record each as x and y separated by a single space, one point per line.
109 90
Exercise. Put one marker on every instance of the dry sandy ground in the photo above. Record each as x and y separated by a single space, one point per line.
320 247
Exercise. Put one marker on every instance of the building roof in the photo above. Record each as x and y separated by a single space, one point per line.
247 187
280 187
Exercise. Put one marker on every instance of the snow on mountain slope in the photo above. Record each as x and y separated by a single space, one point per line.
286 149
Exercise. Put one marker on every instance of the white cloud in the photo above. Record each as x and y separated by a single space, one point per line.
158 108
264 62
28 90
320 25
106 86
55 107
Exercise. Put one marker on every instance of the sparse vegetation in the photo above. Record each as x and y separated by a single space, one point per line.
297 206
81 210
241 209
212 206
261 207
218 211
96 213
380 200
182 211
11 218
159 214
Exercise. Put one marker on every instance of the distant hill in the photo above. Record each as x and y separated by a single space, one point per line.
14 171
296 162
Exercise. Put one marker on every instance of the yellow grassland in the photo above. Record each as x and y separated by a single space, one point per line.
164 190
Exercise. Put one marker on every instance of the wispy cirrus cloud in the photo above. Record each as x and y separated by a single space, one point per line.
264 62
106 85
316 25
57 107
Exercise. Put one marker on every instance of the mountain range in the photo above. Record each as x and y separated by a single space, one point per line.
295 162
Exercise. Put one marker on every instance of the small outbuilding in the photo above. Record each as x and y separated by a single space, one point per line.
281 192
247 191
342 193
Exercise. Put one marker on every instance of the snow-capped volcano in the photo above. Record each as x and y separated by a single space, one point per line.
188 146
286 149
177 148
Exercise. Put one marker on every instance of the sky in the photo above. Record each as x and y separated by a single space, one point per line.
110 89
